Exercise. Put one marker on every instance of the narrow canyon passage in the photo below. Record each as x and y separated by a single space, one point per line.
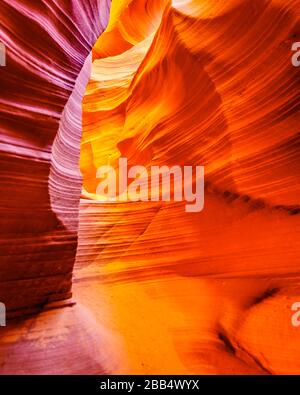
144 287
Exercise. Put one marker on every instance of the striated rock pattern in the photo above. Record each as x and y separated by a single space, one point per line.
47 44
155 289
190 82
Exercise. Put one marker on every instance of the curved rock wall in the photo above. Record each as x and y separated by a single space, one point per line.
47 44
198 83
158 290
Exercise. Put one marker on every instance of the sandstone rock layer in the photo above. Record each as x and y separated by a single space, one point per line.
155 289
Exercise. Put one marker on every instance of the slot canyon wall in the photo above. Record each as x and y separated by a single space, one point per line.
47 44
155 289
47 67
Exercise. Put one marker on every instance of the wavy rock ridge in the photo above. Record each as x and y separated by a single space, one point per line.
158 290
197 83
47 45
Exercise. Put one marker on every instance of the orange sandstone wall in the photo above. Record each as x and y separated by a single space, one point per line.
197 83
157 290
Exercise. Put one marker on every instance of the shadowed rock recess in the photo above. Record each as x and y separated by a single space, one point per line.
155 289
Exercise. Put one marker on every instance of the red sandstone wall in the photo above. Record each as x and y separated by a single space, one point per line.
47 44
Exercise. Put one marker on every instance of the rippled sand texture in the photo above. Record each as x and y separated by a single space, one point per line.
196 83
